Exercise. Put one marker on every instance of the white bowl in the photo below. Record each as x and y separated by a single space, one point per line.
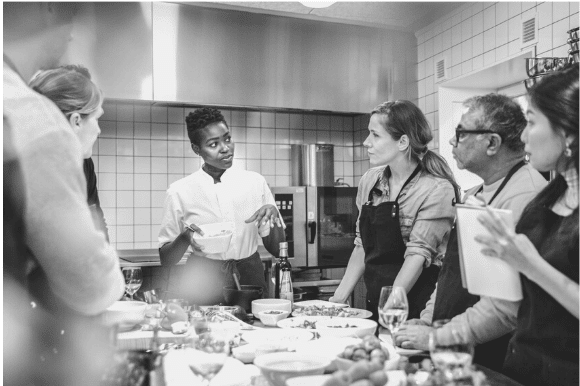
271 317
346 327
126 314
216 237
280 366
260 305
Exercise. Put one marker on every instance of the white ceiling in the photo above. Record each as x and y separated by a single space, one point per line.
407 16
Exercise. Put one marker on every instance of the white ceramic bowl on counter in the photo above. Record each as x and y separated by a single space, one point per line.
127 314
346 327
271 317
260 305
278 367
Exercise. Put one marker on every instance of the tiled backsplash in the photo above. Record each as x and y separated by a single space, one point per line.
143 148
480 34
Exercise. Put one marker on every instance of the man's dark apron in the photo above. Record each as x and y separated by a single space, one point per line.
452 299
544 348
205 278
384 248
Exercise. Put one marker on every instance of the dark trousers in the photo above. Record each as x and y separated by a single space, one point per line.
203 279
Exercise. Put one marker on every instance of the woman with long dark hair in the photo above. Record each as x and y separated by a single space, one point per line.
544 246
405 209
543 249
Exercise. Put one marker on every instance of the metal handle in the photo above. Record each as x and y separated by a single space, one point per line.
312 228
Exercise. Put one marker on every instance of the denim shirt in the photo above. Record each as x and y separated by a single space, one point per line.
426 212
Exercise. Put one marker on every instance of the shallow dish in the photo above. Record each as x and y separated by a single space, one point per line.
278 367
308 323
272 317
260 305
277 335
346 327
127 314
319 303
342 312
216 237
326 347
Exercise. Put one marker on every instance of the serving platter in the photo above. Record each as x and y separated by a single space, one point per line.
307 323
279 336
319 303
344 312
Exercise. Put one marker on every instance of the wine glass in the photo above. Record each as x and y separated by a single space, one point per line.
451 351
212 350
133 279
393 307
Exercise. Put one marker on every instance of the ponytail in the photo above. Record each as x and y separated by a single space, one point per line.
436 165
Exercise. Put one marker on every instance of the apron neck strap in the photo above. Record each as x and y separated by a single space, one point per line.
510 174
387 174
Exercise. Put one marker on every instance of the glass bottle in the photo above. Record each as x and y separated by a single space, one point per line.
284 288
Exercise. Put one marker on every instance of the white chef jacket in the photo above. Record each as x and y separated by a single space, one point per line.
196 199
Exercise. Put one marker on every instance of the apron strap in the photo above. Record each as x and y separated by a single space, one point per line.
510 174
377 191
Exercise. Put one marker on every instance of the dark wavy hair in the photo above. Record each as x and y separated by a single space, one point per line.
556 96
501 114
200 119
402 117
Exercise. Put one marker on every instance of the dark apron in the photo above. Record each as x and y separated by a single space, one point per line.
452 299
384 248
204 278
544 348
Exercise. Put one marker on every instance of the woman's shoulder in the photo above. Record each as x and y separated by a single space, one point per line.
434 182
371 175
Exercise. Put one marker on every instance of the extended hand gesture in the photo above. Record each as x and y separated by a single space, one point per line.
515 249
266 213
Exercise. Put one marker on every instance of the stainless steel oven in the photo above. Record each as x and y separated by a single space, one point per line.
320 223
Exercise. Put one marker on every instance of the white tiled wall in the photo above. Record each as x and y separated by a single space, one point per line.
144 148
480 34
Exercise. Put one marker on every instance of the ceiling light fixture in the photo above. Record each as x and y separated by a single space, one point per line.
317 4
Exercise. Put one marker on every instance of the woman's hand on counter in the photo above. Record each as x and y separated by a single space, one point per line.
266 213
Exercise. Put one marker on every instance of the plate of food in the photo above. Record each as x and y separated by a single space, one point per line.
318 303
343 312
277 335
302 322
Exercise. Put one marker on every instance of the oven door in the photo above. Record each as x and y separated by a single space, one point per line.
291 202
334 211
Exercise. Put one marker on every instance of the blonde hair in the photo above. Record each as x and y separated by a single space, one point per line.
70 88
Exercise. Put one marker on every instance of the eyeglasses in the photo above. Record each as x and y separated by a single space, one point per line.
461 133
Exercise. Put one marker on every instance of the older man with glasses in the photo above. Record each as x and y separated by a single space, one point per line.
486 143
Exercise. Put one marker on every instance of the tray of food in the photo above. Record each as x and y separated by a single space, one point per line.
304 322
318 303
343 312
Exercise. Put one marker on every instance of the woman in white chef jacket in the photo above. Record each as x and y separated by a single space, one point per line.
217 193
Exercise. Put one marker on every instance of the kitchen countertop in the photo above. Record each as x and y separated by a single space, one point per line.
150 257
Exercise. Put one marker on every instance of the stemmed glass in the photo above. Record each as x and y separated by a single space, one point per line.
451 351
133 279
212 350
393 307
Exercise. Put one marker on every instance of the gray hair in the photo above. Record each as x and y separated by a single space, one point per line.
502 115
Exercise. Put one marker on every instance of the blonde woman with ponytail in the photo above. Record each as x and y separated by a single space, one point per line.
406 209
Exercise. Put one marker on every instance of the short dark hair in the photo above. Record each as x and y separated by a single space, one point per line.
501 114
200 119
